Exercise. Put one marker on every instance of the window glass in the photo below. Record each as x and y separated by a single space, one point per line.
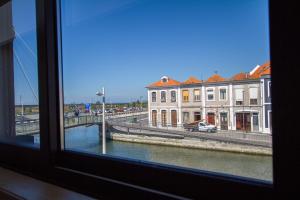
173 96
210 94
185 95
153 96
223 94
197 95
163 96
19 104
120 56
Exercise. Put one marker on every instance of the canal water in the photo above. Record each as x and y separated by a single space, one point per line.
87 139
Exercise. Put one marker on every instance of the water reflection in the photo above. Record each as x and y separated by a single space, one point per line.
87 139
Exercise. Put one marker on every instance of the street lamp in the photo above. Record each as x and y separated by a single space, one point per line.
103 119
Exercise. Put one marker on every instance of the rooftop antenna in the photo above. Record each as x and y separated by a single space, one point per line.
216 71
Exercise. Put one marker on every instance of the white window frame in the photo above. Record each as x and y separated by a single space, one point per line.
222 88
235 99
251 98
171 96
160 96
195 95
188 96
155 97
213 92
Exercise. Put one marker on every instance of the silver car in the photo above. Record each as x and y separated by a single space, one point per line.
205 127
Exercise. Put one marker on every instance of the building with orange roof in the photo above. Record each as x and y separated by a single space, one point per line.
239 103
215 78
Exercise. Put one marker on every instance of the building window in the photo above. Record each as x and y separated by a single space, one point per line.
197 95
173 96
253 102
223 94
153 96
162 96
239 97
210 94
253 93
186 117
185 95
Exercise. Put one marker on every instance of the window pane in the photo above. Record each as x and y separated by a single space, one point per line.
19 107
141 52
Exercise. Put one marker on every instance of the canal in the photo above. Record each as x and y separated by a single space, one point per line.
255 166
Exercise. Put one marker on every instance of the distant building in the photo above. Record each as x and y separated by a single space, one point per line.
242 102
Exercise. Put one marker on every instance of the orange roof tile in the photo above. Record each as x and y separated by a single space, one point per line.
240 76
160 83
191 80
261 70
215 78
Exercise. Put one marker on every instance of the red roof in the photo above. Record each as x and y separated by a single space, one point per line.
191 80
240 76
259 71
264 69
168 83
215 78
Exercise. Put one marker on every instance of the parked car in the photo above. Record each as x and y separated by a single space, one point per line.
200 126
205 127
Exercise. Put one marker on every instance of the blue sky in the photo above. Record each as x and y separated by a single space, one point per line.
125 45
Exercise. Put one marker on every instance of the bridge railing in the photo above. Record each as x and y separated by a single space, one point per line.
27 126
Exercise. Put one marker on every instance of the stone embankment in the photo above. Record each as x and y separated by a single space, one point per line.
186 142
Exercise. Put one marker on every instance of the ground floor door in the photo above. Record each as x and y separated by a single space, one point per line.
255 123
224 121
174 118
211 118
163 118
197 116
154 118
243 121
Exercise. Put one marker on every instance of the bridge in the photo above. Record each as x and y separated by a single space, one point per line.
31 126
136 123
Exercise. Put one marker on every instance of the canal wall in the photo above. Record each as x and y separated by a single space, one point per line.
190 143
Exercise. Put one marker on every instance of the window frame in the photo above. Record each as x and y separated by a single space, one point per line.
258 93
64 169
209 93
223 88
172 99
160 97
188 96
154 97
197 100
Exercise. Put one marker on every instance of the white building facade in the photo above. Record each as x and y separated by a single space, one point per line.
238 103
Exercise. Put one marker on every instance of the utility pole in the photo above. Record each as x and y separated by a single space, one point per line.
244 112
103 123
22 107
103 120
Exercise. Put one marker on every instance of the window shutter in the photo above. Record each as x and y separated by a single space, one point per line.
239 95
253 93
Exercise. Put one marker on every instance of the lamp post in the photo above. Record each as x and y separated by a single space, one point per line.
103 119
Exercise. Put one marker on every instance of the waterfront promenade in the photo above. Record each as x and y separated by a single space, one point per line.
133 127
